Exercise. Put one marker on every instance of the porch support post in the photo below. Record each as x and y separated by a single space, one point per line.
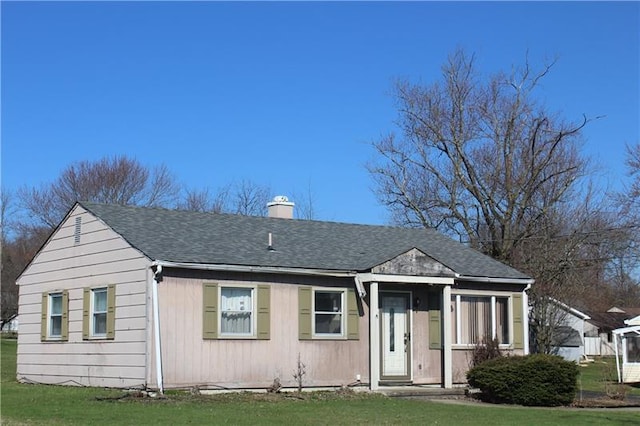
446 338
374 338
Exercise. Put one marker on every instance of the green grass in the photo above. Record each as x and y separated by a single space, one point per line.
23 404
598 375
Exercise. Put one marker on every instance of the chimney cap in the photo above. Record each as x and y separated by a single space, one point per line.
280 199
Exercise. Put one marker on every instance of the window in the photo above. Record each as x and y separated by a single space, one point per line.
54 321
633 348
98 313
480 318
55 315
327 313
236 311
239 312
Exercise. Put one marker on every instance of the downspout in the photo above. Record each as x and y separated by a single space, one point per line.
157 275
361 290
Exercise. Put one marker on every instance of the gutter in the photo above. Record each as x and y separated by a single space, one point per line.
524 281
268 270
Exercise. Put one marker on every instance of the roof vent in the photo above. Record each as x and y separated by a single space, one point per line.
280 207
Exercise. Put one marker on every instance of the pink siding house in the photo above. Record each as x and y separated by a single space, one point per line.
128 297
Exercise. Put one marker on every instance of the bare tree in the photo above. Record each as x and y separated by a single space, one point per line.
478 160
633 166
204 201
249 198
305 205
116 180
483 160
244 198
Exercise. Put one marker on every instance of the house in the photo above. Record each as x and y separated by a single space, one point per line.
599 332
569 329
124 297
629 369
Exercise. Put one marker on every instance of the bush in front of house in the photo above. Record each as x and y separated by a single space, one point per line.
532 380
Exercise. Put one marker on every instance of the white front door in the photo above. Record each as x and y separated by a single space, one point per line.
395 335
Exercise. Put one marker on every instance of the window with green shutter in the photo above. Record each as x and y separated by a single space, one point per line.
98 313
54 319
328 313
236 311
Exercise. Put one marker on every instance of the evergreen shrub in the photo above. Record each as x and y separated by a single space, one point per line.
532 380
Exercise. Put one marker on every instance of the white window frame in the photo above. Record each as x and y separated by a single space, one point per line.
470 293
93 312
254 310
343 313
51 315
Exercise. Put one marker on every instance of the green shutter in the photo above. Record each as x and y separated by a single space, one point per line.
44 317
304 313
64 333
86 307
518 324
353 318
210 311
111 311
264 317
435 320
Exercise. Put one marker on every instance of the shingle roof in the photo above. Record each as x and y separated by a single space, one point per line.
213 238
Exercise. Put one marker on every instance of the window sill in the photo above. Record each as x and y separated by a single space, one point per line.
98 339
472 346
328 337
236 337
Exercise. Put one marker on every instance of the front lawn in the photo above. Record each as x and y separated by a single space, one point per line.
41 404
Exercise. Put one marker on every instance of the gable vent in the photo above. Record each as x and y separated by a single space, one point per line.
76 235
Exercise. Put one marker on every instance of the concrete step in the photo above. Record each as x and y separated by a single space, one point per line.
423 392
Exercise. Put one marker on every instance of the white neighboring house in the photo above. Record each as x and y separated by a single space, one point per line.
568 334
629 371
11 326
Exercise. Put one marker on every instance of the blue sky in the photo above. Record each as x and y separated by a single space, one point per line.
288 95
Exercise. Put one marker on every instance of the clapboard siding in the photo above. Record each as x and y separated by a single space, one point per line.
101 258
81 348
251 363
60 271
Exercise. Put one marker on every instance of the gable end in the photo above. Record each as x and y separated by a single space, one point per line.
414 263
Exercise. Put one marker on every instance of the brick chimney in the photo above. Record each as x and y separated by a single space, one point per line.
280 207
